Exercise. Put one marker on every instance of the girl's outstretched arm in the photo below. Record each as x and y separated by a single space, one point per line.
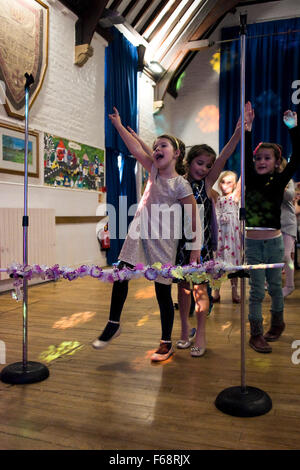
227 151
249 164
130 141
290 120
146 147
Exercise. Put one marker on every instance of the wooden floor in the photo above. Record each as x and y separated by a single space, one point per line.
117 398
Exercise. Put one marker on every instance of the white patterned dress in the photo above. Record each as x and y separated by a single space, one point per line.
229 242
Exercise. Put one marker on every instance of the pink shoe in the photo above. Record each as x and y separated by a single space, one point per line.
164 351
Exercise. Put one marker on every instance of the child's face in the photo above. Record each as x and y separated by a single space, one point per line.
164 153
227 185
200 166
265 161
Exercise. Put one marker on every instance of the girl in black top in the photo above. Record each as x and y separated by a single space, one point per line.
264 194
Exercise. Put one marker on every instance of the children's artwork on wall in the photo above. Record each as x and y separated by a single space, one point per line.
73 165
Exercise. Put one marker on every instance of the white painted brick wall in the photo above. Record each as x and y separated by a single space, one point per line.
147 128
71 105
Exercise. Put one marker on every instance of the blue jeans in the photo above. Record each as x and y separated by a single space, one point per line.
264 251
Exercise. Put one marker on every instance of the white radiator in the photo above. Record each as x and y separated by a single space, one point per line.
41 237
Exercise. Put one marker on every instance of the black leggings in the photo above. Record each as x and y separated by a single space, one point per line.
164 299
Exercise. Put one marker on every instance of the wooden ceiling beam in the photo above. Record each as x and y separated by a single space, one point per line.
183 26
142 11
88 21
115 5
129 7
153 16
164 19
86 25
219 11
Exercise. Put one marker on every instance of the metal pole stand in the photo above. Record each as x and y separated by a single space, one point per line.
25 372
241 400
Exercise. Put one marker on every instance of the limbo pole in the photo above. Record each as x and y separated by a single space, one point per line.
241 400
243 22
26 371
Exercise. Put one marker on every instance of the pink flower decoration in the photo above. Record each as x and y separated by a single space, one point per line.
139 267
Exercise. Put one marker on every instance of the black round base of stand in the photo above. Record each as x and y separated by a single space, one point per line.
243 401
18 374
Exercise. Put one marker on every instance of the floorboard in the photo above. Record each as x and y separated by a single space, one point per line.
116 399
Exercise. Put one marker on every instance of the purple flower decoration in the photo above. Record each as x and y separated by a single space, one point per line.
124 274
38 271
210 266
57 272
151 274
50 274
110 278
96 272
83 271
71 275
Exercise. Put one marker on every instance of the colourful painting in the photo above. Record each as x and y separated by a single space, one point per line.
12 150
73 165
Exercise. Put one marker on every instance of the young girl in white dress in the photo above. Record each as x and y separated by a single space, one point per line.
145 242
227 210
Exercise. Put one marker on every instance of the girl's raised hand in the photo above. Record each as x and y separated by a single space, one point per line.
115 117
290 119
249 116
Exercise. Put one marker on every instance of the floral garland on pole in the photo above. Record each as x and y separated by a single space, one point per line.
214 272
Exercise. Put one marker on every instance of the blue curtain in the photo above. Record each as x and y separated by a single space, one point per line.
128 182
121 61
272 65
